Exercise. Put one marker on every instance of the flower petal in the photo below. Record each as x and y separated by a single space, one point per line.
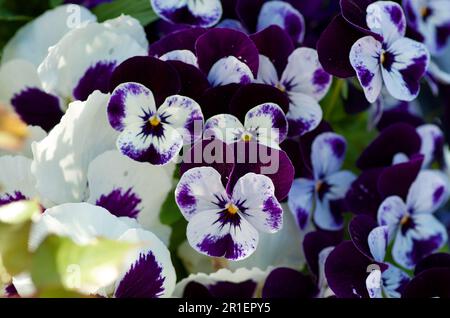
209 235
200 190
304 74
255 193
229 70
128 104
387 19
284 15
184 56
339 183
378 241
423 237
16 179
269 121
364 58
428 192
267 73
65 160
432 143
391 211
304 114
394 281
226 128
31 42
197 13
176 41
327 216
301 201
327 154
150 272
410 63
183 114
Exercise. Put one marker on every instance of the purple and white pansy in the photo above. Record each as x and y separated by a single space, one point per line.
396 61
317 198
149 272
297 73
266 124
191 12
414 230
151 133
225 222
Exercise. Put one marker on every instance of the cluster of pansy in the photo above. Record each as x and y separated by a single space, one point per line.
225 96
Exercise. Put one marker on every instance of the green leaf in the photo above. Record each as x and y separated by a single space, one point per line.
170 213
61 263
15 224
139 9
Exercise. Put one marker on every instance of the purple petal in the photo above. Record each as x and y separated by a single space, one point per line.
301 201
97 77
248 11
274 43
221 43
179 40
429 284
193 82
159 76
216 100
359 230
398 138
143 280
363 196
315 242
397 179
438 260
249 96
288 283
354 12
121 203
37 108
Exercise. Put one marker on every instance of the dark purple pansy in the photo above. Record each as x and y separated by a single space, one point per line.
289 284
179 40
38 108
143 280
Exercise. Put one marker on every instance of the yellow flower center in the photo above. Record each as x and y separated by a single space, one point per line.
383 57
319 185
154 121
232 209
247 137
281 87
404 220
424 11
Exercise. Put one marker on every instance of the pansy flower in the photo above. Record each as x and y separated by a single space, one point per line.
242 283
224 222
149 272
431 278
318 197
396 61
257 15
288 283
149 133
266 124
414 230
357 268
192 12
297 73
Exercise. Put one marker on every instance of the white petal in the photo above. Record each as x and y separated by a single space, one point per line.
340 183
25 76
127 25
378 241
394 279
62 158
224 127
390 212
324 217
82 49
267 73
33 40
304 114
432 137
16 176
229 70
373 284
184 56
428 192
364 57
199 190
112 171
256 193
304 74
301 200
387 19
327 154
